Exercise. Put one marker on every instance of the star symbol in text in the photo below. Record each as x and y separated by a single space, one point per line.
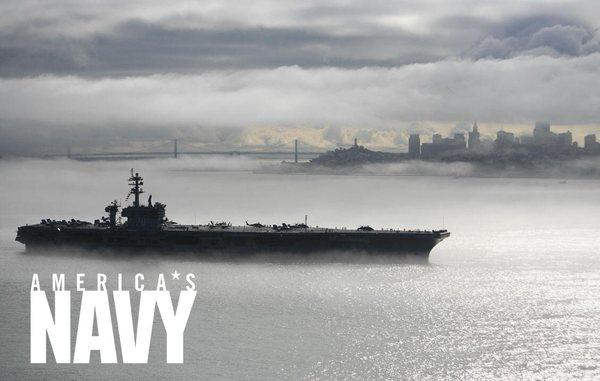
175 275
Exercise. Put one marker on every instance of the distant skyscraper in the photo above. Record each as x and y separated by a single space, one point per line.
589 143
564 140
542 135
474 138
541 128
459 141
414 146
504 139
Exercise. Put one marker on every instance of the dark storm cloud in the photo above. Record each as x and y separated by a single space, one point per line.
138 48
99 40
538 35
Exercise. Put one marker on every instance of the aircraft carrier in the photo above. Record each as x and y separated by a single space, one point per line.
147 229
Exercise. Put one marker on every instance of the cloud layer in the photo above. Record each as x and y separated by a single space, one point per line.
213 71
117 38
517 90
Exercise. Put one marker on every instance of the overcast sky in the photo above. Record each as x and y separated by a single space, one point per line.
231 73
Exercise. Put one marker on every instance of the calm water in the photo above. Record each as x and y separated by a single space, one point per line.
513 293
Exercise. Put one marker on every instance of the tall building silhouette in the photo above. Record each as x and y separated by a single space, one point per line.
590 145
474 138
542 136
414 146
504 139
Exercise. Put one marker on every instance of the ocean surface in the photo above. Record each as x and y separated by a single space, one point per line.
514 293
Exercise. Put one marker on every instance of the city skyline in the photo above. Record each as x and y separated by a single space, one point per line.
470 141
317 139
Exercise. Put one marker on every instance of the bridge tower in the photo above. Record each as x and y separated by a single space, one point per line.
296 151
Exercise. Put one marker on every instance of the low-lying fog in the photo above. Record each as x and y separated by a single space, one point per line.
236 189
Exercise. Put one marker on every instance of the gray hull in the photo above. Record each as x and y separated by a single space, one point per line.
235 241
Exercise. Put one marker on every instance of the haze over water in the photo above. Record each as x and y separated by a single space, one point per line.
513 292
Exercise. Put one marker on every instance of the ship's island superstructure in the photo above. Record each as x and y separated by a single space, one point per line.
148 229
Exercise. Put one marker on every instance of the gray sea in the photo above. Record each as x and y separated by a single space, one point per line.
514 293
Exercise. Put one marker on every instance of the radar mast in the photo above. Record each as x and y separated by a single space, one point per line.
136 182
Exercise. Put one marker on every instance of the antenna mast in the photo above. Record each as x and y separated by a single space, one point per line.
136 182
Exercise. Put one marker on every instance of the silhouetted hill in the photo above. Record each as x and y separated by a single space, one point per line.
356 155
